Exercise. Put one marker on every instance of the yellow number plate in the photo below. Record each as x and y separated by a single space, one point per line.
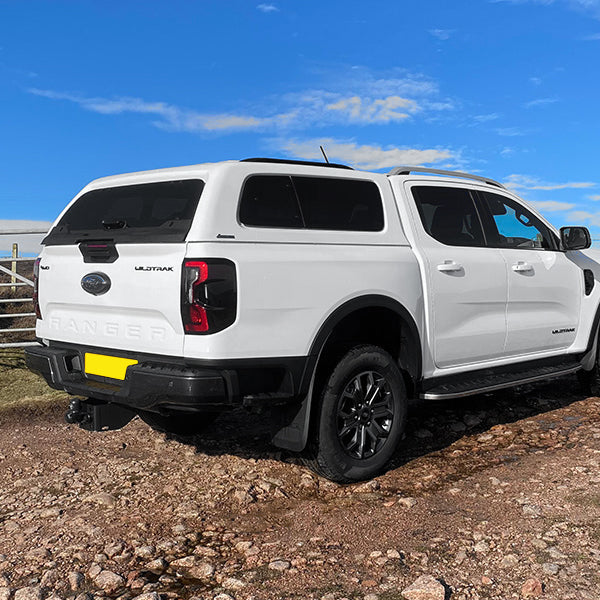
107 366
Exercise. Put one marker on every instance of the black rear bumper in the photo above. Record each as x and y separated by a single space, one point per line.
147 386
164 384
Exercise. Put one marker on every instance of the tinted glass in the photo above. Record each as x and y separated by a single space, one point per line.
449 215
134 213
311 203
270 201
513 226
340 204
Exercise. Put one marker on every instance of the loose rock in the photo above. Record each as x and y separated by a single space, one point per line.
425 587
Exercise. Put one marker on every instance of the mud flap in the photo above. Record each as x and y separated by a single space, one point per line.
291 425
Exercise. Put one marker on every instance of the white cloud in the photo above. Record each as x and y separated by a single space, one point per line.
510 131
267 8
362 98
380 110
589 6
541 102
486 118
532 183
551 205
582 216
28 243
365 156
172 118
594 197
442 34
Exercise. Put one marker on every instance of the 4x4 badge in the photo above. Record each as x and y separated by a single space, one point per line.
96 283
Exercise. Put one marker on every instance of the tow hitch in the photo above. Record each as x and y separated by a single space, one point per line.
96 415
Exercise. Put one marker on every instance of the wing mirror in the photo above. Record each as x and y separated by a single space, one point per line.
575 238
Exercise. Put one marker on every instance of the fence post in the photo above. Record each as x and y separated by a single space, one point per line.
13 266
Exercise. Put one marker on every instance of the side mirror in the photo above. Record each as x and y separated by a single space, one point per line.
575 238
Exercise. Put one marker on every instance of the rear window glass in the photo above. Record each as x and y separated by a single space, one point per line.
148 212
311 203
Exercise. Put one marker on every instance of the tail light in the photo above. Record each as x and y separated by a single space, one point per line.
36 284
208 295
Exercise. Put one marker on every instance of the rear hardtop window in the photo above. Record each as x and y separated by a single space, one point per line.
148 212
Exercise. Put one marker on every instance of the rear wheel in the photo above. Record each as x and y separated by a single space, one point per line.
179 424
362 416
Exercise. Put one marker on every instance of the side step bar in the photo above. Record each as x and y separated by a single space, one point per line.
480 382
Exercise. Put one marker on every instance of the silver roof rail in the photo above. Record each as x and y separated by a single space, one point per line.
408 170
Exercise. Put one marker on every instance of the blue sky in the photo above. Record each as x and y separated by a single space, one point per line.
507 88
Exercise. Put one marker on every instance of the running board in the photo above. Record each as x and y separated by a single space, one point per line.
480 382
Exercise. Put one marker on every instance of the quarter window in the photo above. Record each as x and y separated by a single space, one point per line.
311 203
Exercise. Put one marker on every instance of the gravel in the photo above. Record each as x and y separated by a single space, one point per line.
500 502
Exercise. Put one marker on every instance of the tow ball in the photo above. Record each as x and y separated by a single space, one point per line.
76 414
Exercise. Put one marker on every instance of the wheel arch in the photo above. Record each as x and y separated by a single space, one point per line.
369 319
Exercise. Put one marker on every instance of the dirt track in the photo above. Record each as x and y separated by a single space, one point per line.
485 494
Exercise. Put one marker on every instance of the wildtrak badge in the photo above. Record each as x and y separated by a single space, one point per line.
154 268
564 330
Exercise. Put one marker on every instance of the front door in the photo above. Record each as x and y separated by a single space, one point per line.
544 286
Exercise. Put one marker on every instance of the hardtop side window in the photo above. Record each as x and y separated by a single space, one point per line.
511 225
339 204
311 203
270 201
449 215
161 210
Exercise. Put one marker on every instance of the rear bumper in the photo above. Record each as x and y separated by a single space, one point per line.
147 386
164 384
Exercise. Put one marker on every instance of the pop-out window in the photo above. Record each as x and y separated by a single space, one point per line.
148 212
282 201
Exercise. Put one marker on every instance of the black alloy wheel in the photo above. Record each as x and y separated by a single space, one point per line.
365 414
362 416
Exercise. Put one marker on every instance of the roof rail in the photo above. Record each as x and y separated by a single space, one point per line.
408 170
296 162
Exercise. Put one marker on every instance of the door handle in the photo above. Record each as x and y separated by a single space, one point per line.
449 266
522 267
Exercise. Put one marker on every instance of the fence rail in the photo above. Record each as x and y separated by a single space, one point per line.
12 294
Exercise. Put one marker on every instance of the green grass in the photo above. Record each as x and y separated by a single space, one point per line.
22 389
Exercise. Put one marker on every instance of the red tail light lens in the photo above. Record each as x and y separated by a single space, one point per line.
208 295
36 283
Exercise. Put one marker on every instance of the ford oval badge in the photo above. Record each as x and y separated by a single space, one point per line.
96 283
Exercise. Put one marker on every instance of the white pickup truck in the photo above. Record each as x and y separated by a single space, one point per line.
326 295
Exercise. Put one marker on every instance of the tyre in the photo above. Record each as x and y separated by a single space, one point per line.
179 424
362 416
588 380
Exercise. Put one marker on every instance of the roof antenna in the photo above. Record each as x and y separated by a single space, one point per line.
324 155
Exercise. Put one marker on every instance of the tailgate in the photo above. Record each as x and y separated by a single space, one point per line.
132 303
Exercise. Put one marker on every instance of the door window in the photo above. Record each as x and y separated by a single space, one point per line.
449 215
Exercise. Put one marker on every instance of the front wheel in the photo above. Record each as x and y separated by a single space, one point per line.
362 416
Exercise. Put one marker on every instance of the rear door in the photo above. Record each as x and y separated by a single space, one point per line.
110 271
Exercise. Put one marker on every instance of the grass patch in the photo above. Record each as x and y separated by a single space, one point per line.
22 389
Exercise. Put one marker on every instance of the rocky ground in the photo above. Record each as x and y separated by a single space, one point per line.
491 497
